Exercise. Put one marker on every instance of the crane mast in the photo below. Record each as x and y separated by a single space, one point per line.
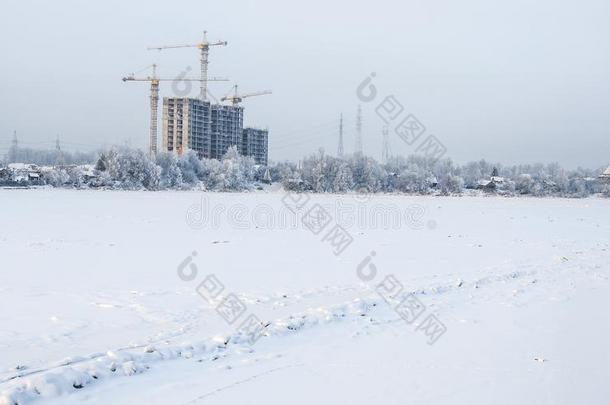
154 106
204 48
154 100
205 54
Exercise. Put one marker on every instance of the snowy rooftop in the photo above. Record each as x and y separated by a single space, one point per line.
22 166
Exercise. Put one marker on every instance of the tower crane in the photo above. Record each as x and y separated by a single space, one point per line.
204 48
237 98
154 99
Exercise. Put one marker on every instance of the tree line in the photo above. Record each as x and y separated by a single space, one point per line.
132 169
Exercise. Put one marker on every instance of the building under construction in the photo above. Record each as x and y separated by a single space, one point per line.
226 129
255 143
210 129
187 125
195 123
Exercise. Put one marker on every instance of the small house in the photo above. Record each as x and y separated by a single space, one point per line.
487 185
25 174
494 183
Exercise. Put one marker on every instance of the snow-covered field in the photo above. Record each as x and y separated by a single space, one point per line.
94 311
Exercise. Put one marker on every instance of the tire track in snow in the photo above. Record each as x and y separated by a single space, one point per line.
239 382
130 362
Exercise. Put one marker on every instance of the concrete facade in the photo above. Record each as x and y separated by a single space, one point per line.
255 143
187 125
227 127
210 129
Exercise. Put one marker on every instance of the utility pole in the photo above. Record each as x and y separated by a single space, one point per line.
340 151
385 146
358 148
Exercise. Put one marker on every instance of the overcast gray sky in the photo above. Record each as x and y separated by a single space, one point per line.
513 81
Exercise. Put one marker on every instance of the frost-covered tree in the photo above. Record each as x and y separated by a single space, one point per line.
211 173
133 169
450 184
236 172
472 173
57 177
367 174
170 175
101 164
447 179
577 187
414 179
281 170
191 167
342 178
524 184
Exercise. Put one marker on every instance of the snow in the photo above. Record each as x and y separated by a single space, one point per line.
94 311
19 166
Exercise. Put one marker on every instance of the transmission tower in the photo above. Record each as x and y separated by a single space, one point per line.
385 146
340 151
12 153
358 148
59 158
